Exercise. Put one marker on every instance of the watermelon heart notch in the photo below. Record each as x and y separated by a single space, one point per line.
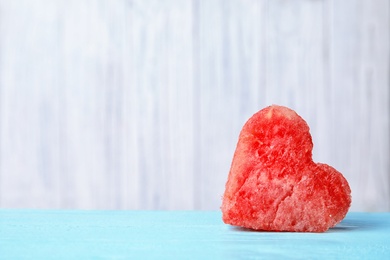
273 183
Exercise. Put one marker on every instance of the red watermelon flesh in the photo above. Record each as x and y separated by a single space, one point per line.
273 183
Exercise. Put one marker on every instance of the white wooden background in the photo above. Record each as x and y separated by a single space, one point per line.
138 104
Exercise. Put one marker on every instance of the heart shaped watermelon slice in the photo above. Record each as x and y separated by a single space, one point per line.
273 183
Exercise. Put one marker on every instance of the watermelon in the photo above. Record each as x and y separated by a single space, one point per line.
273 183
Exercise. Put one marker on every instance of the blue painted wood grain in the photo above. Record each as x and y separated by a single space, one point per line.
138 104
37 234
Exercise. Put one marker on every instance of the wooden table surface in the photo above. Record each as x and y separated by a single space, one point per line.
60 234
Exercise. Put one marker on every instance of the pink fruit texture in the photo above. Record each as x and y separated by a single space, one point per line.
273 183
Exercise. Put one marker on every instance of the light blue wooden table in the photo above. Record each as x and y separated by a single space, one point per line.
41 234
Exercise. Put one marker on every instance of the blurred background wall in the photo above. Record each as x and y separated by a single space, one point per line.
137 104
